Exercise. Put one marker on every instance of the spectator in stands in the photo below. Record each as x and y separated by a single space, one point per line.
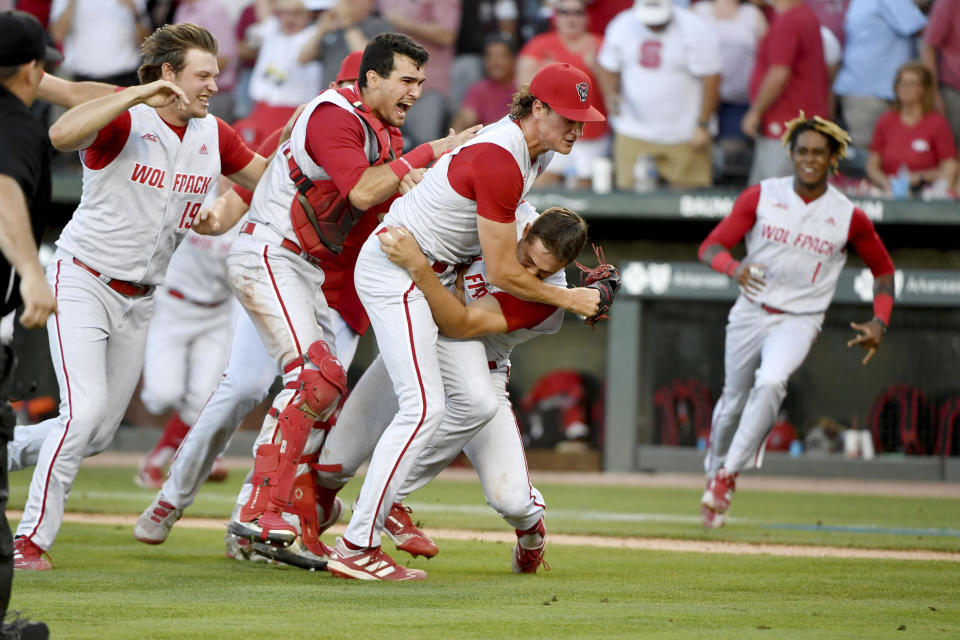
345 28
433 24
479 19
915 136
789 76
572 43
489 100
879 38
279 83
101 38
660 71
740 27
247 48
214 17
941 55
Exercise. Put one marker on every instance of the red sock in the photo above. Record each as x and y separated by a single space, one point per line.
173 434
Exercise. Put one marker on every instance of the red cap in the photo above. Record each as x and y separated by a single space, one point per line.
350 67
566 90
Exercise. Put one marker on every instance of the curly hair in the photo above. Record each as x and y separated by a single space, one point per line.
836 136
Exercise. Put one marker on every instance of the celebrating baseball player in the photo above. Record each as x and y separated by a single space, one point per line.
545 245
339 163
796 231
465 206
150 154
251 369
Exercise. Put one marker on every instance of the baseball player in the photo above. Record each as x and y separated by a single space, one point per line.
796 231
341 161
251 370
464 206
545 244
187 345
150 155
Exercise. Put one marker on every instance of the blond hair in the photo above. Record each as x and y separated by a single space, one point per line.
837 137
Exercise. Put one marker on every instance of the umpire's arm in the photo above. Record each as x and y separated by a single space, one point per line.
20 250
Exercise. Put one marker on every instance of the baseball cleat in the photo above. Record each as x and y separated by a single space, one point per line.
712 519
719 491
149 477
295 555
406 535
368 564
529 560
27 556
241 550
154 524
268 527
22 629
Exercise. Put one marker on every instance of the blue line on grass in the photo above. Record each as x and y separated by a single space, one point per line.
844 528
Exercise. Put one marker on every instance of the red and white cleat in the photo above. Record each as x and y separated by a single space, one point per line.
712 519
406 535
369 564
27 556
719 491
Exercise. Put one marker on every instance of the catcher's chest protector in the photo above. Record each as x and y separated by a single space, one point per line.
320 216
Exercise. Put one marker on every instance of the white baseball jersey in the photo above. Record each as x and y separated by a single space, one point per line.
660 74
198 268
445 222
801 244
160 182
499 346
271 201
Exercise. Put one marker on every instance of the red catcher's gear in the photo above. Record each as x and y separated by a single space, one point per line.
320 216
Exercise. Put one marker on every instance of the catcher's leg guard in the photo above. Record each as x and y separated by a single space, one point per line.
254 522
319 394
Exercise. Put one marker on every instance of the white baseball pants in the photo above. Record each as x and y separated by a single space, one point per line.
762 351
431 379
96 344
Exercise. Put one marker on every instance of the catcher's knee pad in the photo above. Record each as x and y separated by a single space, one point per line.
264 470
321 387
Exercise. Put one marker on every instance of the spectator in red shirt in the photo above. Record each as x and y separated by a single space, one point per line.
572 43
489 100
941 55
790 75
913 135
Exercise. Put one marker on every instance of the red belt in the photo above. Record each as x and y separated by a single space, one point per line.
289 245
122 287
766 307
210 305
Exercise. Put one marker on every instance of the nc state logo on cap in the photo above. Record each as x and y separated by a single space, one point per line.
583 91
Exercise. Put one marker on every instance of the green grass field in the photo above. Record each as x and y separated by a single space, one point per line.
107 585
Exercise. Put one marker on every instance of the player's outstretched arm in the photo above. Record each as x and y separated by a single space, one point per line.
498 241
454 319
66 93
18 247
78 127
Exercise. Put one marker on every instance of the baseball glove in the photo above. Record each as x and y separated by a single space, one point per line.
605 278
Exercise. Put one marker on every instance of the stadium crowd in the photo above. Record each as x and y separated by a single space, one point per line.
697 90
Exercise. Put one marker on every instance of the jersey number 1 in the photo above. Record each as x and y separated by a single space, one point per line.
189 213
